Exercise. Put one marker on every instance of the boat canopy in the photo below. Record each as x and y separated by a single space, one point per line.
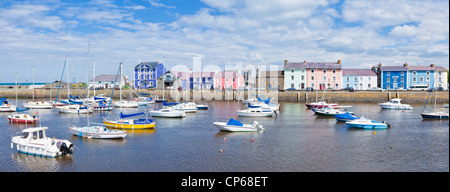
234 122
346 116
143 121
166 104
129 115
75 102
266 101
20 110
144 93
99 98
74 97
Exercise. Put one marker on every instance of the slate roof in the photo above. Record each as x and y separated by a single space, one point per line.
358 72
394 68
150 64
106 78
426 68
313 65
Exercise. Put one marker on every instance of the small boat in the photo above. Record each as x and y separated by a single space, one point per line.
395 104
365 123
445 105
98 132
22 118
126 104
35 142
256 112
236 126
169 112
74 109
271 106
6 107
186 107
202 107
38 105
329 112
321 104
249 100
435 115
345 117
131 123
144 101
101 105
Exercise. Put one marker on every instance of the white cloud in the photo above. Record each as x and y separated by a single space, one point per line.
155 3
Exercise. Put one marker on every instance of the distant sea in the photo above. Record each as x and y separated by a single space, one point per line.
21 84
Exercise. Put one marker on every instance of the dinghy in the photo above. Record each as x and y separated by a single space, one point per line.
236 126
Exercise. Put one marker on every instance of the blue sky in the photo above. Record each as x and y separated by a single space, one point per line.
228 32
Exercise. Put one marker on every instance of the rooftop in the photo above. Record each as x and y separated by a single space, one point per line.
313 65
358 72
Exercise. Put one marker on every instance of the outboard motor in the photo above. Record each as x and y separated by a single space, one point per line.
388 125
63 147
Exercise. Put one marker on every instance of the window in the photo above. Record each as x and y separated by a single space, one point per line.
151 83
414 79
348 85
370 78
334 78
403 73
388 79
428 78
356 78
428 73
336 86
414 72
292 77
324 71
312 70
395 79
292 71
361 78
348 79
324 78
233 79
440 80
334 70
421 79
292 85
388 73
402 79
312 85
388 86
360 86
312 78
368 85
303 77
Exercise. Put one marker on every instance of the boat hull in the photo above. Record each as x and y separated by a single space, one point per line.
118 125
26 121
172 114
367 126
97 132
230 128
259 114
38 105
434 116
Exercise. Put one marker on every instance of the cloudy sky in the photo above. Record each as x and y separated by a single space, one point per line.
361 33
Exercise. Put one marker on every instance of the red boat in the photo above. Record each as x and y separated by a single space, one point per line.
22 118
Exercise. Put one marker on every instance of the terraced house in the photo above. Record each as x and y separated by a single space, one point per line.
316 75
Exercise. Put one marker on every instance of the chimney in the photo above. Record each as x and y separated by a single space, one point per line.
285 63
339 62
405 65
380 65
304 61
432 65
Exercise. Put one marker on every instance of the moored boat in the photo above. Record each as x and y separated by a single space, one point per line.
34 141
169 112
345 117
75 109
365 123
256 112
236 126
395 104
38 105
435 115
22 118
98 132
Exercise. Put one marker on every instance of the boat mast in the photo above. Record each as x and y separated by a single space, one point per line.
33 82
68 84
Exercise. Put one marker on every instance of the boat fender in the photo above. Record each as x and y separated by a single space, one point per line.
80 134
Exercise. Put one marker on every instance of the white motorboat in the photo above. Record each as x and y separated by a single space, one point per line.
395 104
249 100
365 123
97 132
445 105
6 107
271 106
38 105
202 107
169 112
34 141
144 101
78 109
186 107
236 126
256 112
321 104
329 112
126 104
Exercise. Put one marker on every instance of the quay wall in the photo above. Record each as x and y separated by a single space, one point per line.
295 96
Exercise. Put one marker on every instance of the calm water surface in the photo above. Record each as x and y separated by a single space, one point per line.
296 140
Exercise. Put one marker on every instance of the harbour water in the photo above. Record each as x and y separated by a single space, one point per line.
294 141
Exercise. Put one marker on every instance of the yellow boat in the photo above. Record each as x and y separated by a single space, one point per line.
131 124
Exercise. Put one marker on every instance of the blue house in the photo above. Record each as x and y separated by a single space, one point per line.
146 74
422 75
201 80
394 77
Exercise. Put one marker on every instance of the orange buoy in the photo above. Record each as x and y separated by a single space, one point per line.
224 139
252 139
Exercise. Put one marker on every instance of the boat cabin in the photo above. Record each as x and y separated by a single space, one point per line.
34 133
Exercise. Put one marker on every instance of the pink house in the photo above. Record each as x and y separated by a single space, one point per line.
321 75
228 80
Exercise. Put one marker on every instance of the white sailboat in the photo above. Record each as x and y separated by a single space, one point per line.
37 104
236 126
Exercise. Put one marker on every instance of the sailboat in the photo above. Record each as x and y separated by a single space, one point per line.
129 123
437 113
21 117
37 104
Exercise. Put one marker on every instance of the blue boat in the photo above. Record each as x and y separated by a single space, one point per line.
345 117
365 123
